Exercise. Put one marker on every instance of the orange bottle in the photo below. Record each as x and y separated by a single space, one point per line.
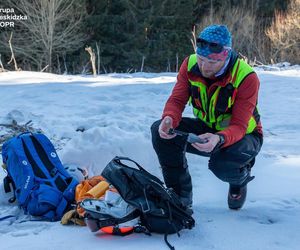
98 190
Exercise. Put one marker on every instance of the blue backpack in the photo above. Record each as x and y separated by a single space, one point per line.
41 185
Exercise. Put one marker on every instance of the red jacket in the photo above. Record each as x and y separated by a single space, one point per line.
242 109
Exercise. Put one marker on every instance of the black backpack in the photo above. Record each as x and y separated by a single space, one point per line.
160 208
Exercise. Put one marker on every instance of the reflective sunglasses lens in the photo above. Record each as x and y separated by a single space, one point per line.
213 47
201 43
216 48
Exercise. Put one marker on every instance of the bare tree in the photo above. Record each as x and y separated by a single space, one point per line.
98 58
284 34
12 59
248 35
52 28
1 65
143 62
92 59
177 61
194 39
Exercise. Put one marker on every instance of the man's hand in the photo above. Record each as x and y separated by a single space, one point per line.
164 128
212 141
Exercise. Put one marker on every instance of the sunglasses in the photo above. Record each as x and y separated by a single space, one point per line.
213 47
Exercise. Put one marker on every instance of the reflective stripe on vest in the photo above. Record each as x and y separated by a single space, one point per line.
205 108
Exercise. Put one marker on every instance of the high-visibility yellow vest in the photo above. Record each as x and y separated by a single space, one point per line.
215 109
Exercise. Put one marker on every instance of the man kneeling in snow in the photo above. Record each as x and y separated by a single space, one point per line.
223 91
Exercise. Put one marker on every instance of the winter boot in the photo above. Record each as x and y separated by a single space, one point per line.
236 196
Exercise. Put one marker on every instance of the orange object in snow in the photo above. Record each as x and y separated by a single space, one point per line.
94 187
117 230
98 190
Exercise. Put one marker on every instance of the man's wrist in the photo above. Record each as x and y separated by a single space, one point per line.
221 140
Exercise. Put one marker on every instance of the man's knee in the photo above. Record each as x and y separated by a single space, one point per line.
154 133
154 129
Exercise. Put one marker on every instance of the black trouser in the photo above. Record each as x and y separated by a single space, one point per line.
231 164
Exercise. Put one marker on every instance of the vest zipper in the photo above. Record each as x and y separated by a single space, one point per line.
209 95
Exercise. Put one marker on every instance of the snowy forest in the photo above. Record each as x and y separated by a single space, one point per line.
62 36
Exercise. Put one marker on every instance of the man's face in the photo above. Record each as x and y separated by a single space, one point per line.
208 67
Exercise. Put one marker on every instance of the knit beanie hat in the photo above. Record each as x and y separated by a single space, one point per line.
214 42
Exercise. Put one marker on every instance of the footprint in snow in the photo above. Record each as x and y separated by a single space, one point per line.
287 204
262 219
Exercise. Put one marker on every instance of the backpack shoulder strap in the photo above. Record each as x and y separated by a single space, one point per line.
58 187
31 150
19 170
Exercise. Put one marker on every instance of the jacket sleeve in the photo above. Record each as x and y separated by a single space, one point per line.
242 110
180 94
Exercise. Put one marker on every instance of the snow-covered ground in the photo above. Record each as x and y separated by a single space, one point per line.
116 111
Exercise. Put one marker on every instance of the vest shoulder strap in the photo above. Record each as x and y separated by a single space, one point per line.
192 61
240 70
